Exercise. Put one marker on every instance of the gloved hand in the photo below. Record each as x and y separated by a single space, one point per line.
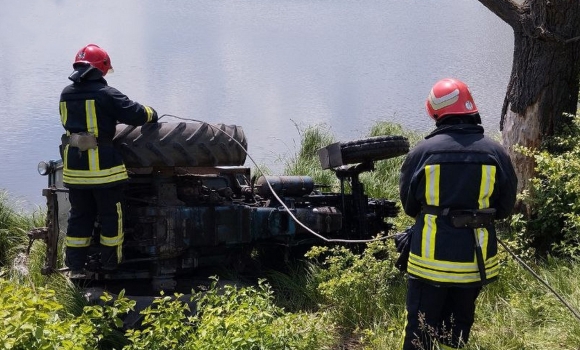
403 244
155 118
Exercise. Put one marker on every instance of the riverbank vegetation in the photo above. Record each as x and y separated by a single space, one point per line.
334 298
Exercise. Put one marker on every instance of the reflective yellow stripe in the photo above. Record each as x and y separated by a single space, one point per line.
112 241
118 239
119 219
93 156
65 157
119 253
92 128
432 175
91 117
120 232
486 186
451 266
429 233
63 113
485 191
438 276
101 173
78 242
87 177
446 277
450 272
149 112
94 181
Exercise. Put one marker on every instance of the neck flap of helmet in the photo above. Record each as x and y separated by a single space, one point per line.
84 71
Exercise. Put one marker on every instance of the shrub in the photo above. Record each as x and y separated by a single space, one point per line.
229 318
554 196
359 290
32 318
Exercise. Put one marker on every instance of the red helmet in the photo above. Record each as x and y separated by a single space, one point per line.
449 96
95 56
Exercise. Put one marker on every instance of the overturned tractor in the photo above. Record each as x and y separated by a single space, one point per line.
190 203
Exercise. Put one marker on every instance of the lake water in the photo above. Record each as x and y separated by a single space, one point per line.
271 66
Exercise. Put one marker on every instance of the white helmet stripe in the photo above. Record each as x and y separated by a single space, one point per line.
441 102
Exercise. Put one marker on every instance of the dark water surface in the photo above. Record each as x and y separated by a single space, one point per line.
267 65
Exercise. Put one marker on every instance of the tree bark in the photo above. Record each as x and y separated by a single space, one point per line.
545 73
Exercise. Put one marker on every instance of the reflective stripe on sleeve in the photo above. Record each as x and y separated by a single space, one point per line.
432 176
63 113
77 242
486 186
149 112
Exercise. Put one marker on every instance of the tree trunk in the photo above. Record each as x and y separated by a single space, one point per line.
545 73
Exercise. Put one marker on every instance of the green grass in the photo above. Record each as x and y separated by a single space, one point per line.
518 312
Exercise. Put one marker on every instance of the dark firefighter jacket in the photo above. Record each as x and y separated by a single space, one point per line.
455 167
94 107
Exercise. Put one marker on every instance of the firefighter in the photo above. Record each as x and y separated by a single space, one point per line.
454 183
93 169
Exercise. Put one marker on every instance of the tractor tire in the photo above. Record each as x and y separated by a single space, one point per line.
181 144
373 148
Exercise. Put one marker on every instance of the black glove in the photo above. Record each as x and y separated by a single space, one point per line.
155 118
403 244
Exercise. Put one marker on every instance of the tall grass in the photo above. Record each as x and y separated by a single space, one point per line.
306 161
14 224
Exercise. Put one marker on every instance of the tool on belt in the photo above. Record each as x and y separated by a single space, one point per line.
463 218
81 140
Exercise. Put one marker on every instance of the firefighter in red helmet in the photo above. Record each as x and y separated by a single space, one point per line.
93 169
94 56
455 184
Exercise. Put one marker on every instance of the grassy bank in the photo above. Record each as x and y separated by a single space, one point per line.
334 299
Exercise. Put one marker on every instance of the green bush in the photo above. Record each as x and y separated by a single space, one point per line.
32 318
229 318
359 290
553 224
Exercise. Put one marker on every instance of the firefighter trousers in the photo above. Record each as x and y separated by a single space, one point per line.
438 315
89 207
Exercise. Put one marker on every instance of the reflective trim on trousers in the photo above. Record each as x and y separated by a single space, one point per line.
78 242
